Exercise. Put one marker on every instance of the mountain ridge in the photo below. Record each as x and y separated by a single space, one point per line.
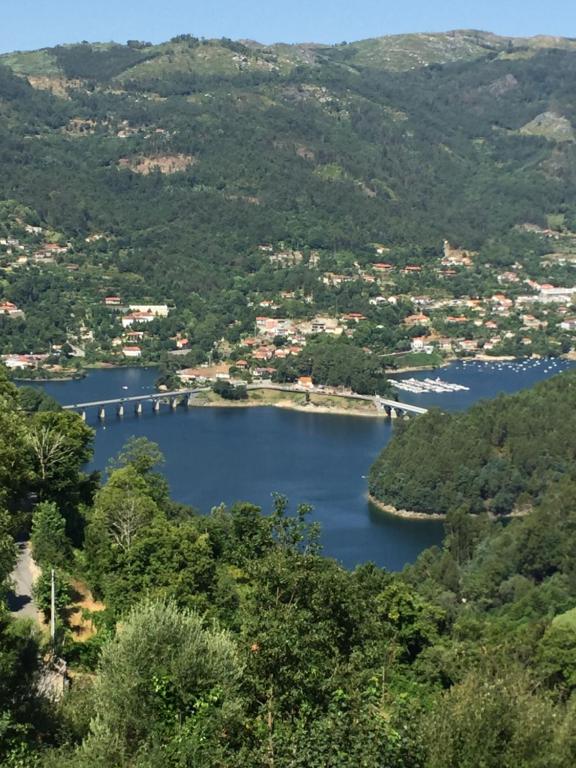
399 52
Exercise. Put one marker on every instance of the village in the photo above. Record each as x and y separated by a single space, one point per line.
407 313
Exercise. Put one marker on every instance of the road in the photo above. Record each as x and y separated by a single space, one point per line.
20 600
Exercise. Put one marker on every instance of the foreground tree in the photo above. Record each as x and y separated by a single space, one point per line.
166 692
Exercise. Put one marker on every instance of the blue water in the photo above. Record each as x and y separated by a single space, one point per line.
216 455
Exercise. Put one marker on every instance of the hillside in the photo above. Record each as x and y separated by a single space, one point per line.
501 456
167 167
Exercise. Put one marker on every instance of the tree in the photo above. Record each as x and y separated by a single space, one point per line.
166 685
7 551
140 453
50 545
493 719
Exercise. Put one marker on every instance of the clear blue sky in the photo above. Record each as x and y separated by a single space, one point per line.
28 24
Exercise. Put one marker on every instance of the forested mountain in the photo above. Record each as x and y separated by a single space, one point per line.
166 170
320 147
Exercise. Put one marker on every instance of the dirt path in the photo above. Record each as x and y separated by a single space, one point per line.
20 600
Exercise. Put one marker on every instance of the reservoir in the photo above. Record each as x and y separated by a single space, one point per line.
223 455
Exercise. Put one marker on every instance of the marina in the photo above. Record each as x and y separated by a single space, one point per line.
419 386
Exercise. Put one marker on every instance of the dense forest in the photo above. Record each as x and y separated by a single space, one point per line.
501 456
228 639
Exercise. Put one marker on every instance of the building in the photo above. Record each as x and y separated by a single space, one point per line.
132 352
137 317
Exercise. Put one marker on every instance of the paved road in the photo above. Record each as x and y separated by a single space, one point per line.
20 599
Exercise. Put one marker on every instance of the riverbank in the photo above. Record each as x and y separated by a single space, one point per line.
389 509
335 405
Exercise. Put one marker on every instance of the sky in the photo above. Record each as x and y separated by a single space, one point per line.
30 24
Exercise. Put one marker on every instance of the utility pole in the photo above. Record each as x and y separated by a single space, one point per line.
52 609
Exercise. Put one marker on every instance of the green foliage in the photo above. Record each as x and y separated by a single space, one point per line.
7 550
337 363
229 391
497 721
43 593
139 453
166 683
50 545
499 456
31 400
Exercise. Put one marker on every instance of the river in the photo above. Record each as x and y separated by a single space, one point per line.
216 455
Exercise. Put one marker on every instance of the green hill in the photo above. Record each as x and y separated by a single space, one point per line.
501 456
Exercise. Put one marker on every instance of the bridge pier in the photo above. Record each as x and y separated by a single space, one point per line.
189 400
120 409
102 413
138 408
156 406
83 415
173 403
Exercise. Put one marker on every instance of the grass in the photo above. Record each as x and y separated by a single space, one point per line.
36 63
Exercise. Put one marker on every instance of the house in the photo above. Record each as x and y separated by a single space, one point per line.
333 279
203 373
157 310
274 326
382 267
263 374
551 294
18 361
569 324
263 353
353 317
468 345
305 381
419 344
112 301
444 344
10 309
417 319
529 321
137 317
132 352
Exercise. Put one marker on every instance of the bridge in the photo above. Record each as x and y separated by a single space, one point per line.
392 408
174 399
399 409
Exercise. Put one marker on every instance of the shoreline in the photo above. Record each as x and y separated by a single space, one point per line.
406 514
286 405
